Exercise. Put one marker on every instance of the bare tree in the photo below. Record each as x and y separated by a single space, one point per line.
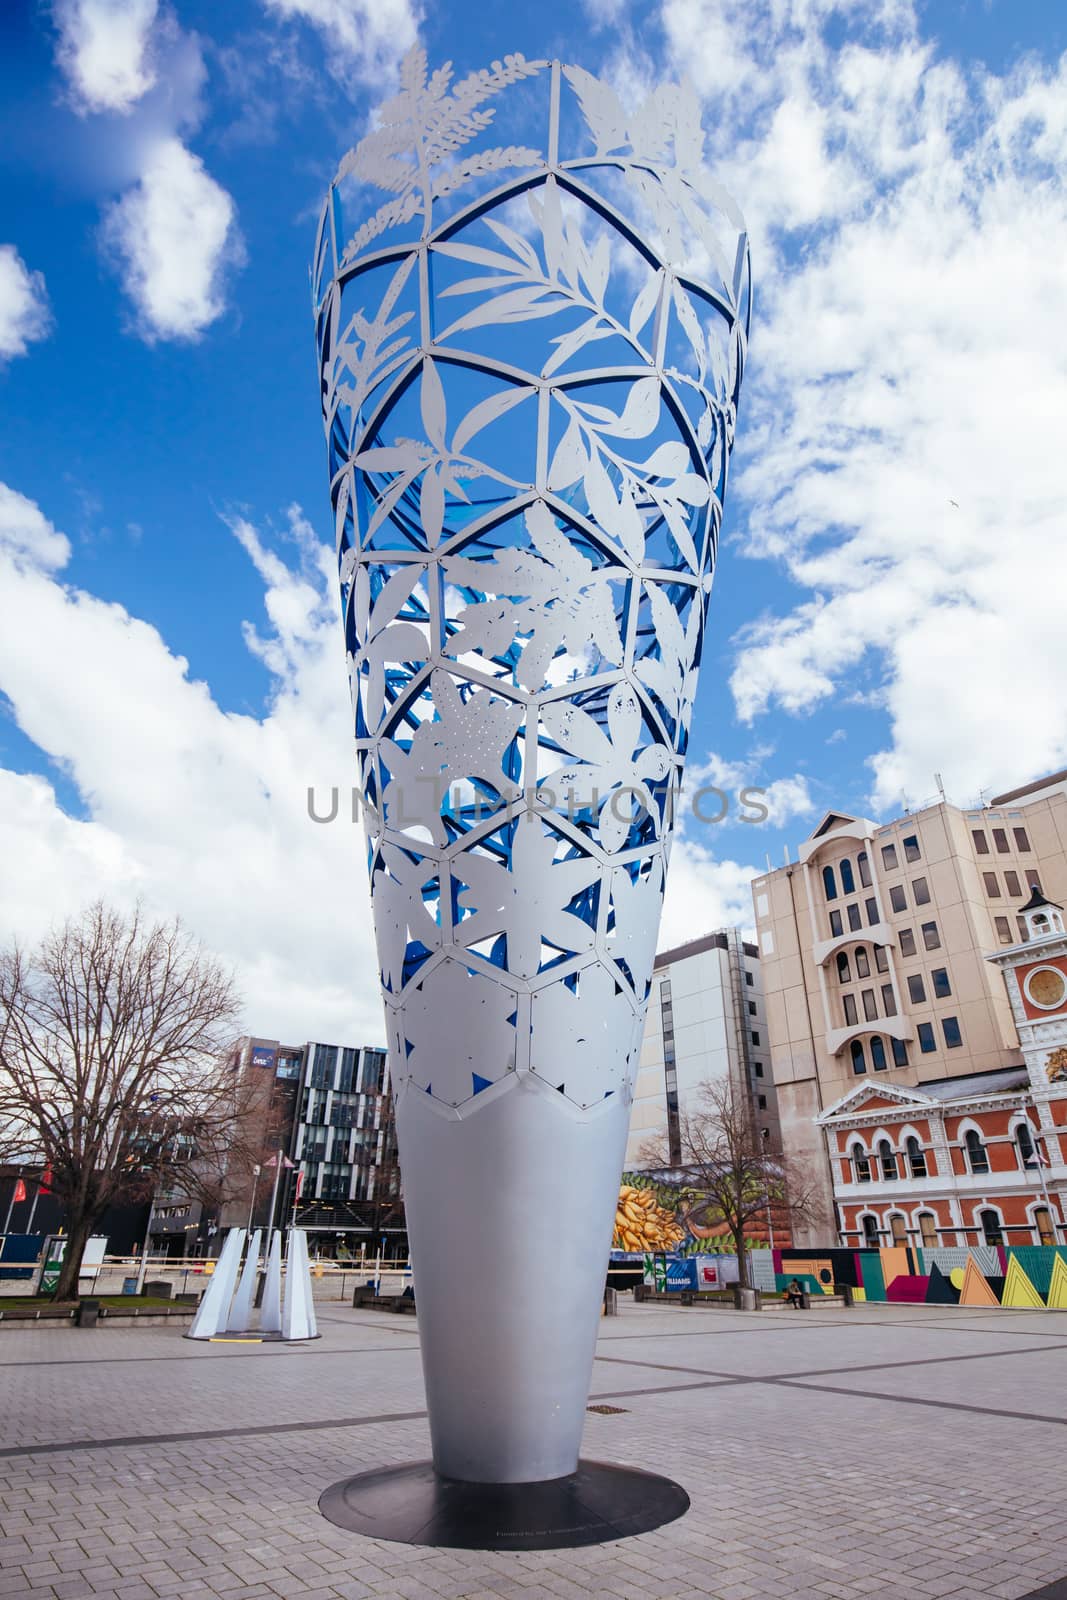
728 1173
113 1071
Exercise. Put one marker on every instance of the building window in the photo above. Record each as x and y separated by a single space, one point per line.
992 1227
881 960
977 1158
1003 928
1032 880
748 979
861 1164
761 1101
887 1161
916 1158
859 1065
931 937
916 989
870 905
1024 931
878 1061
843 973
911 848
950 1027
757 1067
848 882
863 966
1046 1233
1000 839
1011 883
900 1053
870 1009
927 1042
871 1237
889 1000
906 941
864 869
939 980
851 1015
829 883
752 1008
897 898
921 891
898 1228
854 922
1021 841
755 1038
992 885
889 857
928 1230
835 924
981 843
1024 1139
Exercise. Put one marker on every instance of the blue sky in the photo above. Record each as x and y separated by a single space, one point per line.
171 672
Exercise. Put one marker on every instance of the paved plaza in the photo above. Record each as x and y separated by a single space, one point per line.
901 1452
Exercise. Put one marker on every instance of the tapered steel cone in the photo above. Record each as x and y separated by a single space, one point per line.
530 364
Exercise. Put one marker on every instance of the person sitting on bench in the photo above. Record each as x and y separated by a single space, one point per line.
794 1293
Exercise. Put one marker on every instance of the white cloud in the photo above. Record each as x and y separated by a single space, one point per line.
27 538
703 894
174 234
103 51
24 313
909 215
195 809
364 38
781 798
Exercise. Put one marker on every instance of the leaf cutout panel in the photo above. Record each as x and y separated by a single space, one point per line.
531 317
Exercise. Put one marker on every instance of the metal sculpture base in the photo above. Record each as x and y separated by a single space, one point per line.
413 1504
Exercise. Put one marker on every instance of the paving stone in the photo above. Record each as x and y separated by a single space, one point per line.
911 1453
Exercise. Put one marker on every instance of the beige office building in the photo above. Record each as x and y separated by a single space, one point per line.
872 948
705 1022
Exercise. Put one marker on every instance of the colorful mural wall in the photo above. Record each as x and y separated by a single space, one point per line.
1031 1277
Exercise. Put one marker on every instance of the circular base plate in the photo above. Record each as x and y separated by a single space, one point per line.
415 1505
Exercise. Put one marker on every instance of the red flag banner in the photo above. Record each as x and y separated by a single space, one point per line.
46 1179
299 1182
20 1191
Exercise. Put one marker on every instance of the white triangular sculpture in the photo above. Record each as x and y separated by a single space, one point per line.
240 1318
270 1314
298 1317
211 1313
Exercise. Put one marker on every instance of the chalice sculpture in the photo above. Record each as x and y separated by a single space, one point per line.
530 356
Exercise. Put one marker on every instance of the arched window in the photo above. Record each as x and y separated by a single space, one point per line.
870 1233
898 1228
1046 1233
888 1161
928 1230
916 1158
1025 1141
829 883
976 1153
864 869
992 1227
863 965
843 973
859 1064
848 882
861 1163
878 1060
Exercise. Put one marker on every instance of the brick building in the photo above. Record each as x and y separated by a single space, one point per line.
885 1011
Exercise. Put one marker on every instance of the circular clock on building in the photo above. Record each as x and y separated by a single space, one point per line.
1046 987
